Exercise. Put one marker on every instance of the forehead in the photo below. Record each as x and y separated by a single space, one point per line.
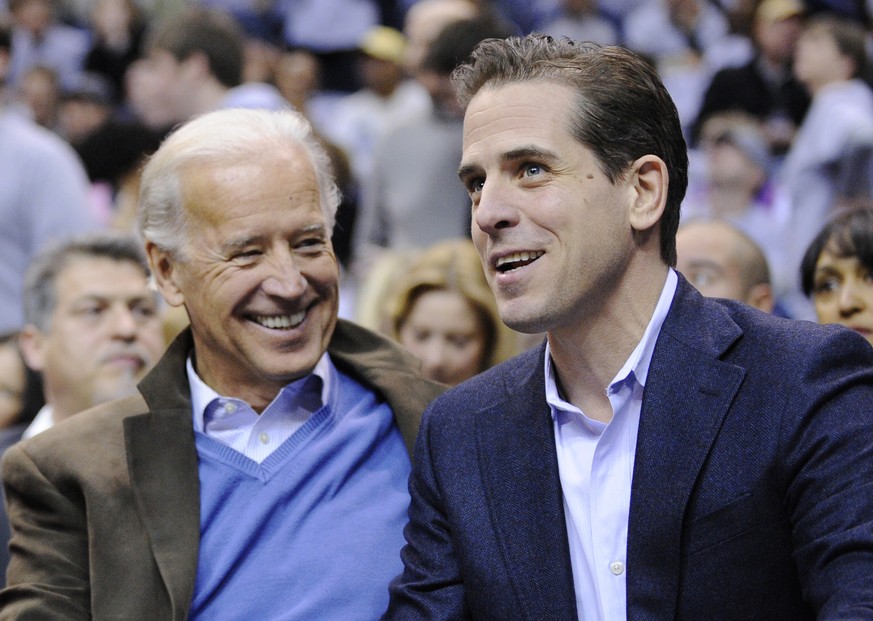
274 186
99 276
711 241
504 117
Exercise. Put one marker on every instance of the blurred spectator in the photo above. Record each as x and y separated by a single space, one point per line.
425 20
581 20
298 79
837 271
443 311
85 107
730 178
765 87
413 198
331 30
388 98
43 196
829 162
721 261
194 64
260 58
92 328
40 93
38 38
114 154
117 36
687 40
668 29
260 19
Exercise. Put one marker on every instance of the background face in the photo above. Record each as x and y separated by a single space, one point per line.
444 331
705 258
842 293
158 88
817 59
105 334
260 277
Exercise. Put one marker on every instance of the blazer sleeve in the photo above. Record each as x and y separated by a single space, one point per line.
48 570
827 442
430 586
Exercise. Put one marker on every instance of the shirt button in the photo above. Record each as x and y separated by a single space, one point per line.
230 408
616 567
264 438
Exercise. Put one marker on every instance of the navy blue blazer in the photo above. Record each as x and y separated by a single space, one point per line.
752 493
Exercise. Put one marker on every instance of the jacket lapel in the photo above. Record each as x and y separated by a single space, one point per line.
388 369
687 395
162 458
162 462
516 452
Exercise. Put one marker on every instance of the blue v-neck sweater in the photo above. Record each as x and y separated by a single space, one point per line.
315 530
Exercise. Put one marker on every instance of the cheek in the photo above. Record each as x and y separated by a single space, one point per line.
826 309
152 338
407 338
474 354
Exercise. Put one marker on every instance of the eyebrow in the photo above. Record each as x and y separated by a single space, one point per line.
232 245
521 153
313 228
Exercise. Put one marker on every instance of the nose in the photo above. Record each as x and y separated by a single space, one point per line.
850 302
123 323
284 279
493 209
433 358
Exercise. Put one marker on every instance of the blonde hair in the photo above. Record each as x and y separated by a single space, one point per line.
453 265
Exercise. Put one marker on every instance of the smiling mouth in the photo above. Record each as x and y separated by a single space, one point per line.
279 322
517 260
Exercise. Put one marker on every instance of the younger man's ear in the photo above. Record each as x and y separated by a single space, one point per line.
649 180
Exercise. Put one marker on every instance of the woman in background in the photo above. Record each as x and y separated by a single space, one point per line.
837 271
443 311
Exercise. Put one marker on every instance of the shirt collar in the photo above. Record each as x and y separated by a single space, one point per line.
637 364
202 394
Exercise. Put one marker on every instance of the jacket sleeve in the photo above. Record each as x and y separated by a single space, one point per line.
827 444
48 576
430 586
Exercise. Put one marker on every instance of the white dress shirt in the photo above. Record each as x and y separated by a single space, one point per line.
596 463
233 422
44 419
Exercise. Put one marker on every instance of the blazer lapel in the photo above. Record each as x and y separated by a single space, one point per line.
516 453
162 462
390 370
687 395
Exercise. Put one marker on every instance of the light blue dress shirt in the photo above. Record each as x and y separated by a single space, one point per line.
233 422
596 463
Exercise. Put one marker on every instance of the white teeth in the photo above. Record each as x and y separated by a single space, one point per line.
280 322
519 257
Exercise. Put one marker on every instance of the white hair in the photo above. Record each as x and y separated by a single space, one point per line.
223 137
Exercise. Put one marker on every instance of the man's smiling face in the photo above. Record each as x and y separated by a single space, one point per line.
258 278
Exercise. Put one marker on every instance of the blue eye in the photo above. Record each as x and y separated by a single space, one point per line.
475 186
